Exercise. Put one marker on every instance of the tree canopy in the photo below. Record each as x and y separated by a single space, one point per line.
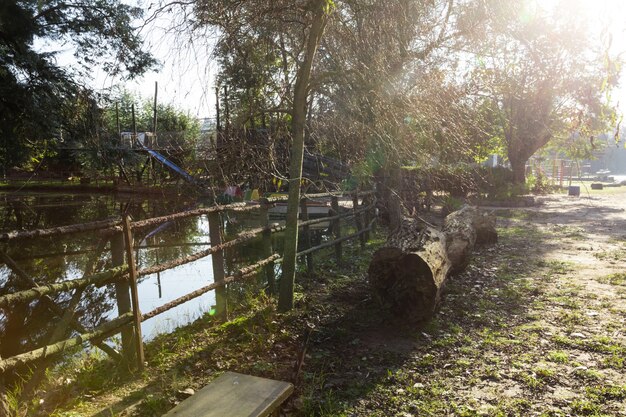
426 82
544 77
36 92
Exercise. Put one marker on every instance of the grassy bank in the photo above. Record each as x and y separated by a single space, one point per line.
257 340
534 326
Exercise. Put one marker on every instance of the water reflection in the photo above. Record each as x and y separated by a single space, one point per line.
25 326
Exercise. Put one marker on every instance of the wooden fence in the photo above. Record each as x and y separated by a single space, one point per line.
124 275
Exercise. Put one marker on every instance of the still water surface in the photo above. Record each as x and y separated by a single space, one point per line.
26 326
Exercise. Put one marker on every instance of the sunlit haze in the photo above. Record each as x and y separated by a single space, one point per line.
186 77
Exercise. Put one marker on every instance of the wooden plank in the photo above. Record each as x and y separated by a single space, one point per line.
235 395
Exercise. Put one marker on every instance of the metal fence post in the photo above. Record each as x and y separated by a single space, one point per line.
122 296
306 234
268 249
132 278
336 226
215 235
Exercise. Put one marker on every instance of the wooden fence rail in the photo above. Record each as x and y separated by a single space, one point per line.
126 273
101 332
240 275
98 280
241 238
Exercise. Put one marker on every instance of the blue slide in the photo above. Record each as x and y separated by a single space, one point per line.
186 176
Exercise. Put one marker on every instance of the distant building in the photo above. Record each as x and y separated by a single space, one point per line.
207 124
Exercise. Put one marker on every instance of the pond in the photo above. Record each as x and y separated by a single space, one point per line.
29 325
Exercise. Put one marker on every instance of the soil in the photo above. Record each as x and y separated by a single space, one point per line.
534 327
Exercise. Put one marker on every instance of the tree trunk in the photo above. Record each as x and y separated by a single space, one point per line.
285 301
407 274
388 185
465 228
518 165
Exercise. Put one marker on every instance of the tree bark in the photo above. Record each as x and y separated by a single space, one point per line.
5 410
519 170
100 279
285 301
408 274
464 229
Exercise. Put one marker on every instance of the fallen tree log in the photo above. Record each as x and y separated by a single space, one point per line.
464 229
408 274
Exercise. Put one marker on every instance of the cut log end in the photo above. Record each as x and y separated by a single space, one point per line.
408 274
403 283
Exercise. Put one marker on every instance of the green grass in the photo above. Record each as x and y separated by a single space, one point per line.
588 375
558 356
614 279
612 255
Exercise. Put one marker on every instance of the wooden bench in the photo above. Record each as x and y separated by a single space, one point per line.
235 395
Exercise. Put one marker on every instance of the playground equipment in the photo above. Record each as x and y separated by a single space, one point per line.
141 140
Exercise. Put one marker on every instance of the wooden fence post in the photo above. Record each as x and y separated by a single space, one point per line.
367 216
306 234
122 296
132 278
215 235
336 227
268 250
357 218
4 401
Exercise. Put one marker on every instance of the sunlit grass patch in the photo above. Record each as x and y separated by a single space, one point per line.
572 232
570 318
529 233
588 375
601 344
558 356
614 361
522 214
612 255
559 267
613 279
608 392
584 407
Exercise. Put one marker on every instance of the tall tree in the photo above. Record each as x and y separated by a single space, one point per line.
34 88
544 77
320 9
297 26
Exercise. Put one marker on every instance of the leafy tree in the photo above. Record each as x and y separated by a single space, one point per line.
298 26
544 77
35 92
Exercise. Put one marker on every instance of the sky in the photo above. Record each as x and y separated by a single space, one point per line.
186 77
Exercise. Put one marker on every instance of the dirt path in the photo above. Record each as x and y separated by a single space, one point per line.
535 326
